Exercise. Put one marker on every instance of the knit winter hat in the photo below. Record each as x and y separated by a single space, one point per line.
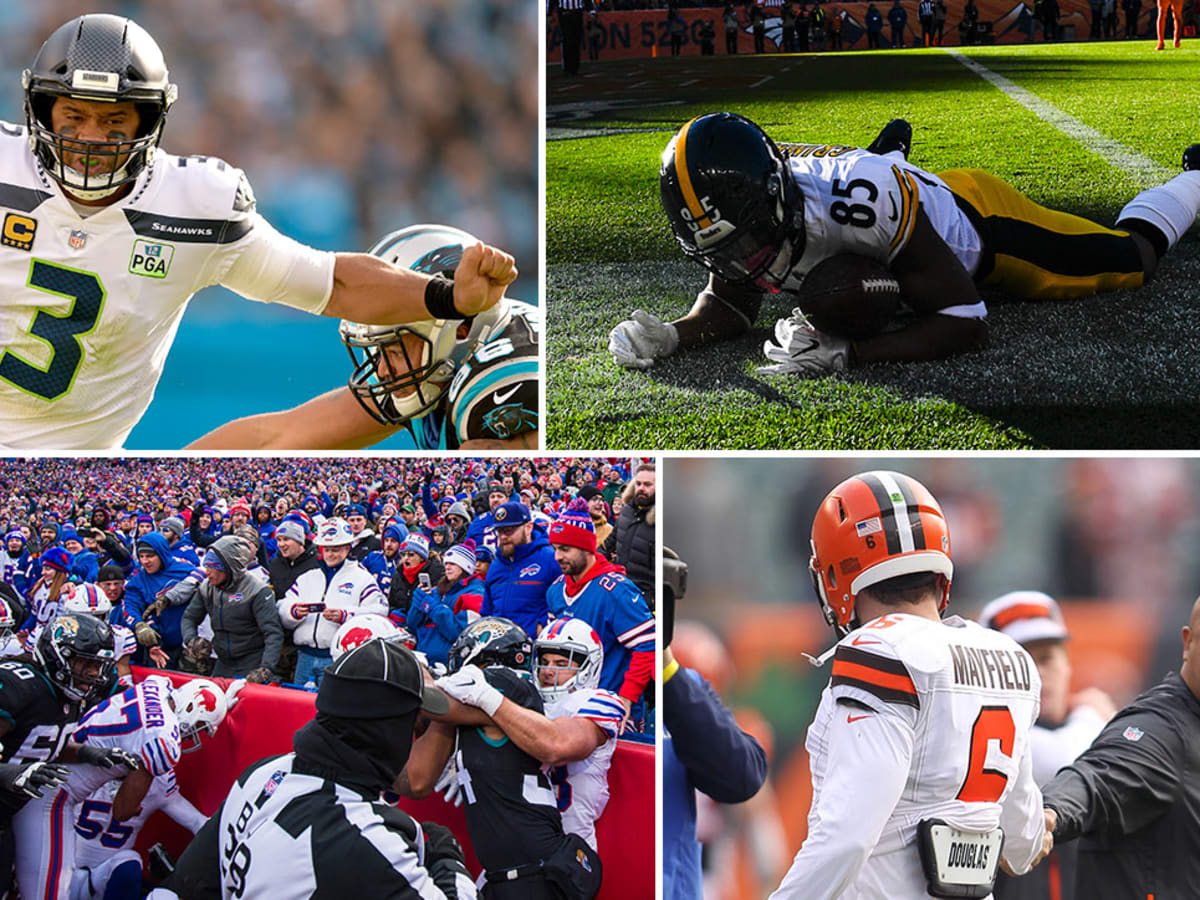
462 555
574 527
174 524
290 529
416 543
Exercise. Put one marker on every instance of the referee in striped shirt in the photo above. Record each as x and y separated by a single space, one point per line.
311 823
570 22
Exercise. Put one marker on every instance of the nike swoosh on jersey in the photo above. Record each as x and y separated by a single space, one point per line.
499 397
850 719
859 642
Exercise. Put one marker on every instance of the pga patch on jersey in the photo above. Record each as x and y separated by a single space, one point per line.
958 863
1133 733
151 259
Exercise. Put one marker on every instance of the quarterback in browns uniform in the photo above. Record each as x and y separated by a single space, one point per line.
760 216
106 238
933 714
451 383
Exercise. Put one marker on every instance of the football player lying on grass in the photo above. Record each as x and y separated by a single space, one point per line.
454 384
760 217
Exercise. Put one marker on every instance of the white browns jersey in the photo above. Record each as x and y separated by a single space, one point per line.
582 786
920 720
139 720
92 304
860 202
98 835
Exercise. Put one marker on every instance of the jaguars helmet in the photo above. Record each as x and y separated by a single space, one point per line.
493 641
68 640
395 391
98 57
870 528
578 642
731 200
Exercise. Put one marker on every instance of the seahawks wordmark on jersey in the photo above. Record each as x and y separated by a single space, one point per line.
494 394
92 303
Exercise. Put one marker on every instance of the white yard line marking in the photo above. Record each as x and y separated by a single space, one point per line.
1144 168
762 81
689 82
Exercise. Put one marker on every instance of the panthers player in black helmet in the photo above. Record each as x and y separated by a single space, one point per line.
73 667
511 808
453 384
760 215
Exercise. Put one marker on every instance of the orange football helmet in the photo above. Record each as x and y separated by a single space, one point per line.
872 527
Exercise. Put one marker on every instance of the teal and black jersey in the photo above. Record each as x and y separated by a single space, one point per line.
494 394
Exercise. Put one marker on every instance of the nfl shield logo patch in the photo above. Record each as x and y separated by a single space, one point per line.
1132 733
78 238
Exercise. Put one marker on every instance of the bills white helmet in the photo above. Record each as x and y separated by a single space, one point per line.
201 706
576 640
334 533
88 600
365 627
410 380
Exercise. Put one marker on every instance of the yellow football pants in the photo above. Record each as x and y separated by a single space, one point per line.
1038 253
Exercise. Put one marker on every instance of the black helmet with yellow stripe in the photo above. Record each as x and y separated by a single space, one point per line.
731 200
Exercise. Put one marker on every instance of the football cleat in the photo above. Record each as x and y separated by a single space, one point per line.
1191 158
896 135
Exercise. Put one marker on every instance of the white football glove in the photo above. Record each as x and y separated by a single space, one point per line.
799 349
468 686
637 342
448 782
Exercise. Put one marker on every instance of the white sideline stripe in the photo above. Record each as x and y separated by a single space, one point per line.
1146 169
762 81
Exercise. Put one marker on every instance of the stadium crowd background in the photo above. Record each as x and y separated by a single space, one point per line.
1112 539
351 118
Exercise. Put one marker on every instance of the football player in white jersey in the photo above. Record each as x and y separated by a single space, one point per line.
106 863
454 385
151 723
576 737
760 216
919 750
106 238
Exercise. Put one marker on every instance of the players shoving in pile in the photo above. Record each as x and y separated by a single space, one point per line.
762 216
284 571
107 238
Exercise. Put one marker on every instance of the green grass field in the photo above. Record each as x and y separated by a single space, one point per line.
1114 371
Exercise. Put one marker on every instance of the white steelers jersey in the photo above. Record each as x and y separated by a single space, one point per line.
859 202
139 720
92 303
935 717
98 835
582 786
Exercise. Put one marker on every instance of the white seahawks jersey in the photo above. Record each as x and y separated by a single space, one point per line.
494 393
582 786
936 718
139 720
98 835
859 202
92 303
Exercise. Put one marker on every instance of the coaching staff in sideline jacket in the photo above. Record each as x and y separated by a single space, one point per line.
1134 795
311 823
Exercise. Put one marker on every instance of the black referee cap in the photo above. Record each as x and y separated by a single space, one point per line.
377 680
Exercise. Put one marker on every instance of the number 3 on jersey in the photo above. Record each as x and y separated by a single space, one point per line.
61 332
994 723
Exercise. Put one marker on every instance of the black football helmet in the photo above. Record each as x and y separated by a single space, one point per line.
98 57
493 641
68 640
731 200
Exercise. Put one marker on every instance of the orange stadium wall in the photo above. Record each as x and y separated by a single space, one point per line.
265 718
643 33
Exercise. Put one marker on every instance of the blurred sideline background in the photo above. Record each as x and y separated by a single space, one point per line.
351 118
1112 539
